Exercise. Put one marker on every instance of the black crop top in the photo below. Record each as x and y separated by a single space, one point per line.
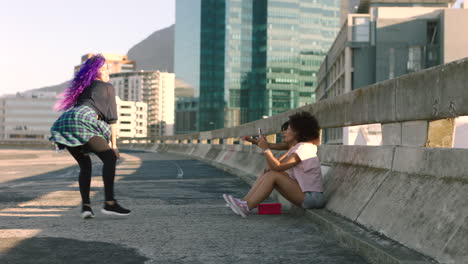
101 97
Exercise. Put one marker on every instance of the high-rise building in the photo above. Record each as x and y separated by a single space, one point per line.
116 62
187 43
384 40
186 108
187 65
153 88
133 118
260 58
213 101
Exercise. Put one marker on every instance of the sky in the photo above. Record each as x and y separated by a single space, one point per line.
458 3
42 41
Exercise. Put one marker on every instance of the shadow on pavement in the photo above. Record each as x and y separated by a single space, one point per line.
47 250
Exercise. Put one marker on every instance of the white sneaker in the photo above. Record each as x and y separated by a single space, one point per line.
228 203
241 208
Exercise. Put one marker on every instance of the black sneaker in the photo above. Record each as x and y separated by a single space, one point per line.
86 212
114 209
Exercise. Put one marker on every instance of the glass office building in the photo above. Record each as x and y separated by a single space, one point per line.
260 58
187 65
187 42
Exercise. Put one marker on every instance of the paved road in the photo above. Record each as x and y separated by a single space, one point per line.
178 216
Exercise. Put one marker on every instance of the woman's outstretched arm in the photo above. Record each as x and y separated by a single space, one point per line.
275 146
273 163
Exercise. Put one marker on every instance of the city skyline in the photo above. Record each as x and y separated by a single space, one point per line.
44 40
33 34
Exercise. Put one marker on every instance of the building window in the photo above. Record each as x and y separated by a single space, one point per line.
414 59
26 136
391 63
361 29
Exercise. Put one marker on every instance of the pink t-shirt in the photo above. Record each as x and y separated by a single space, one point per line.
307 173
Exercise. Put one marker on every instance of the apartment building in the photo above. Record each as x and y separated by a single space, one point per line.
154 88
384 40
133 119
27 116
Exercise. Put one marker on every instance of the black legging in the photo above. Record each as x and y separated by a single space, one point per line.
101 148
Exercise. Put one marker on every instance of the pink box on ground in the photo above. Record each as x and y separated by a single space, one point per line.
269 208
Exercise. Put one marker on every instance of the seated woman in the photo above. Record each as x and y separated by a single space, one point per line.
297 177
283 145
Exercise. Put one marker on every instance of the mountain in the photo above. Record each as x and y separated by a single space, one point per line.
156 52
53 88
183 89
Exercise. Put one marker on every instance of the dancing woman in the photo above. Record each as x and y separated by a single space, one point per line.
89 125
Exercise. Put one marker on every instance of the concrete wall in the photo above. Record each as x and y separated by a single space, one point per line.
363 57
416 196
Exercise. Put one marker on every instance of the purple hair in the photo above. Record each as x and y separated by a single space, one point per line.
87 74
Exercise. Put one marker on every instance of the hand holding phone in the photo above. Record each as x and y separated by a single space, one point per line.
262 142
260 134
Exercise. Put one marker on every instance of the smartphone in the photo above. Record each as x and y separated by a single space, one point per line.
260 134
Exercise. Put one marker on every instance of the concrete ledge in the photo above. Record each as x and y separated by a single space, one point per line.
374 247
444 163
414 133
419 201
425 213
348 189
391 134
379 157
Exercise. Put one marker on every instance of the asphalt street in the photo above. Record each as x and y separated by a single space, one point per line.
178 216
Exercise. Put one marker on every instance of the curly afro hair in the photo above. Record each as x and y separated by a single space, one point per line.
285 126
305 125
